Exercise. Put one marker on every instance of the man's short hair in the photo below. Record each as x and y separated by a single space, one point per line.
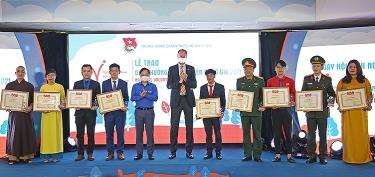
86 65
182 50
114 65
144 69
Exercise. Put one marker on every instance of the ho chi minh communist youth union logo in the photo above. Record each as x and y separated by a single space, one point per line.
129 44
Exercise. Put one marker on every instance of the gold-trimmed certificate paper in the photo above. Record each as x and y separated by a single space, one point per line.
46 101
240 100
14 100
276 97
110 101
309 100
352 99
208 108
78 98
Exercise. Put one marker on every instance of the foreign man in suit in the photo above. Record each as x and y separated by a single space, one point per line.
86 117
318 119
213 90
181 81
115 119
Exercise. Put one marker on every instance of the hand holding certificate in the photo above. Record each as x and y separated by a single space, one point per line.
14 100
79 98
352 99
276 97
240 100
208 108
46 101
309 100
110 101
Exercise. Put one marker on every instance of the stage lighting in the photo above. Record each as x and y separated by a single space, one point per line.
336 150
372 147
300 145
70 144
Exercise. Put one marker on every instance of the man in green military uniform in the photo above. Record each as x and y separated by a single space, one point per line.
251 83
318 119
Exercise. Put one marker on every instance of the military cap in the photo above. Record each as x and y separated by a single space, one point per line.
249 62
317 60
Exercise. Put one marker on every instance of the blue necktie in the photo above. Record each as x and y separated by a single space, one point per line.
86 84
114 87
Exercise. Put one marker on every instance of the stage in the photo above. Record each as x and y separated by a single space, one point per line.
231 165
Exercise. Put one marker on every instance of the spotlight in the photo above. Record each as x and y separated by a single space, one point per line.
336 150
372 147
300 145
70 144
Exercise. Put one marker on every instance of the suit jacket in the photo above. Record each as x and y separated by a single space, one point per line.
95 87
174 84
123 86
325 84
219 92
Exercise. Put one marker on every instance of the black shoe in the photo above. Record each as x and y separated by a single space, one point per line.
172 156
151 157
311 160
207 156
258 159
276 159
247 158
323 160
291 160
218 156
189 155
138 157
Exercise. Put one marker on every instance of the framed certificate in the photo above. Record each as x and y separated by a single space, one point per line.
208 108
14 100
46 101
352 99
240 100
79 98
110 101
309 100
276 97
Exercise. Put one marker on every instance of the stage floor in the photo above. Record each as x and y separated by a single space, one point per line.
231 165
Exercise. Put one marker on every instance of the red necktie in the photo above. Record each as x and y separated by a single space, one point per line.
211 90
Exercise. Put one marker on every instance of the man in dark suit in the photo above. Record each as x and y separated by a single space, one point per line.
86 117
115 118
318 119
181 79
213 90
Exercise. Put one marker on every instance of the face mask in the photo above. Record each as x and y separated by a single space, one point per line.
181 60
145 78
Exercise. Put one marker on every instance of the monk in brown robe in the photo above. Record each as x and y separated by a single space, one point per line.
21 143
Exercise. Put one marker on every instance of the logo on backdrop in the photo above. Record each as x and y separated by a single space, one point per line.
129 44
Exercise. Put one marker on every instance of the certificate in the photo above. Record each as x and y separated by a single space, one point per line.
276 97
79 98
46 101
352 99
240 100
208 108
110 101
14 100
309 100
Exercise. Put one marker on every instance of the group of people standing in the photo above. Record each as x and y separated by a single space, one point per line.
21 143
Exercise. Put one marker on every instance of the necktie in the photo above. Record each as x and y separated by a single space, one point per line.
86 84
114 87
317 79
280 83
211 90
183 88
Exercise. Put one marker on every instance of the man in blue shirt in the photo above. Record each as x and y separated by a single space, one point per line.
144 94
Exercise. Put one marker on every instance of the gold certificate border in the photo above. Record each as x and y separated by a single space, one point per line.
283 89
363 99
248 107
56 95
211 100
89 99
116 92
25 99
313 92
